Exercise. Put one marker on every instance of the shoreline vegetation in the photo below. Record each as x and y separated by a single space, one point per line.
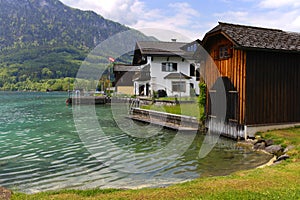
278 181
59 85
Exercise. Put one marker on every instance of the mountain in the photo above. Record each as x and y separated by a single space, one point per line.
50 22
45 39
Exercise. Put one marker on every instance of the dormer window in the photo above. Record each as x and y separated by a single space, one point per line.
223 52
192 48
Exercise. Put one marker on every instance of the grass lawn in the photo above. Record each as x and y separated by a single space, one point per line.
179 98
280 181
182 109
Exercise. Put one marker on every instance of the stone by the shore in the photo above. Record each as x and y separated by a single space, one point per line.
288 148
259 146
268 146
269 142
282 157
5 194
274 149
266 142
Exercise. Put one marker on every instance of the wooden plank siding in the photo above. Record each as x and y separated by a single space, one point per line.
234 68
273 87
260 69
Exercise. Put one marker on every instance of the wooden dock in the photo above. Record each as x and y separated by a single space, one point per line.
166 120
89 100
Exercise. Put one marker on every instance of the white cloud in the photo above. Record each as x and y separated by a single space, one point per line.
232 15
184 8
296 23
279 3
123 11
183 18
288 21
179 16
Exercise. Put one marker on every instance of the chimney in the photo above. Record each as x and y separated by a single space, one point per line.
173 40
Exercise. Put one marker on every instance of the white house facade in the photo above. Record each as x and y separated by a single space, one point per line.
167 67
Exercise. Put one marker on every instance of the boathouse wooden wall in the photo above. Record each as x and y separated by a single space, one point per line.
234 68
273 87
267 83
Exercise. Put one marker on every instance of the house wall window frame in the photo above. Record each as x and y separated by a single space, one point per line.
178 86
169 67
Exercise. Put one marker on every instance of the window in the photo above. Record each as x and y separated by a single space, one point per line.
178 86
192 70
197 75
232 105
224 52
169 67
195 47
192 48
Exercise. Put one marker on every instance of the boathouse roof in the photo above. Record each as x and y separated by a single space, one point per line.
257 38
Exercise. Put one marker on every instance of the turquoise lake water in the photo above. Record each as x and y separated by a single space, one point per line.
41 148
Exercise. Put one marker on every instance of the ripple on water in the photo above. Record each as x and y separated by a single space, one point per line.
40 150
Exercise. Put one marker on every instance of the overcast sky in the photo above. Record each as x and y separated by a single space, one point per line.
193 18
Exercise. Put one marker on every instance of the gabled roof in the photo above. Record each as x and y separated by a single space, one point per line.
159 48
143 74
177 76
257 37
125 68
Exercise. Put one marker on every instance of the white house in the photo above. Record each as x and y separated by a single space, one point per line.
166 66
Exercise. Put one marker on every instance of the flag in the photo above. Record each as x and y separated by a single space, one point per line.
111 59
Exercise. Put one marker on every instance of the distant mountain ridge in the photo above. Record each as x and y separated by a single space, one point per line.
45 39
50 22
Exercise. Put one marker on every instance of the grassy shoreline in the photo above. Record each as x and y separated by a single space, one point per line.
281 181
185 109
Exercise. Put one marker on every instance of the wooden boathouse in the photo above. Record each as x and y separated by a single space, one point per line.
259 69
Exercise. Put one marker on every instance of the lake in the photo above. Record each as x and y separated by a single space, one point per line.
46 145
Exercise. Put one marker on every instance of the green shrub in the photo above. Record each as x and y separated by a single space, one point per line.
202 100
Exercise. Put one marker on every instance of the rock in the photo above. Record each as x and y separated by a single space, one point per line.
274 149
5 194
259 146
266 142
269 142
254 141
288 148
277 162
282 157
259 141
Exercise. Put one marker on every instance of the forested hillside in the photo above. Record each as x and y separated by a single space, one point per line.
42 40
